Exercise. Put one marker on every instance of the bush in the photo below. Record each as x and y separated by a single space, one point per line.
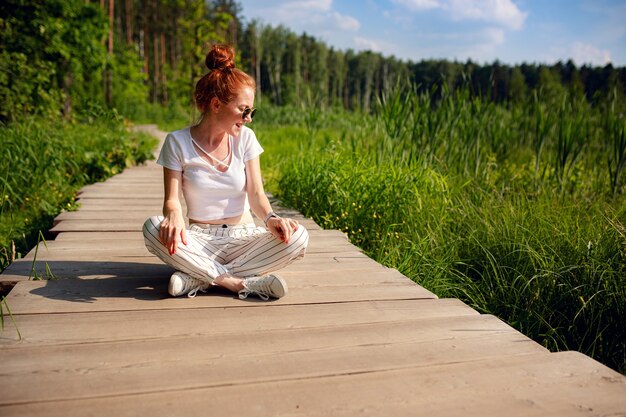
44 163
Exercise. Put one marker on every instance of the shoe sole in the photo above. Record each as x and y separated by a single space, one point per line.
282 284
170 286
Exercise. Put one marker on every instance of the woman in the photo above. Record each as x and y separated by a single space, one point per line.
216 163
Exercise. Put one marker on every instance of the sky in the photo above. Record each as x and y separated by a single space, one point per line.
511 31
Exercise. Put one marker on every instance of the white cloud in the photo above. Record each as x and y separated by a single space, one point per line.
381 46
336 20
494 36
371 44
502 12
484 47
315 16
346 22
583 53
419 4
300 6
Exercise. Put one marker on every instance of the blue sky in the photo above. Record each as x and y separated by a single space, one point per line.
512 31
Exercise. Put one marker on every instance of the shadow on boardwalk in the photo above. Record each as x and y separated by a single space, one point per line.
93 290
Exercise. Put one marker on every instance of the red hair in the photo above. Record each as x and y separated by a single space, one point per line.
223 81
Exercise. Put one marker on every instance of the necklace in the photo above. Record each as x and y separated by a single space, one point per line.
217 161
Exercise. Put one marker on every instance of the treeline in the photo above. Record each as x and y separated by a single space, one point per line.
288 64
60 54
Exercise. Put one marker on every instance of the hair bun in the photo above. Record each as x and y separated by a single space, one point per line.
220 57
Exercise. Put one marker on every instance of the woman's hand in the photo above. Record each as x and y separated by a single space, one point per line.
172 232
282 228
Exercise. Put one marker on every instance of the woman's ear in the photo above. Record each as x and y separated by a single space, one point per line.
215 104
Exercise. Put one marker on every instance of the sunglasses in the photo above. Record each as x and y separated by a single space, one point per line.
248 112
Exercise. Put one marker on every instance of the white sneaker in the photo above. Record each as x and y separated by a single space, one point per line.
265 287
181 284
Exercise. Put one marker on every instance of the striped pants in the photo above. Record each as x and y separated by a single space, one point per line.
212 250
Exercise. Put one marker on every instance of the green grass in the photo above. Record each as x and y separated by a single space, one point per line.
464 198
44 163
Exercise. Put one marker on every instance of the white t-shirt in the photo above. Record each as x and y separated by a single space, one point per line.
209 193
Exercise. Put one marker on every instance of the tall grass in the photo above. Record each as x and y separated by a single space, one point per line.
44 163
509 208
615 128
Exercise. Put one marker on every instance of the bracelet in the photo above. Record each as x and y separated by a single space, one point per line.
269 216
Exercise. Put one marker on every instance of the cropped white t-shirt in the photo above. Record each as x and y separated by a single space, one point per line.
209 193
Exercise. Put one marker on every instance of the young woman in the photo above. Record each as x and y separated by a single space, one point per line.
216 164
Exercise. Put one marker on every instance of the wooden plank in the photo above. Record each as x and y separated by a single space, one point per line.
150 266
125 183
88 253
116 199
137 235
135 247
96 327
295 279
339 264
99 237
136 242
131 223
91 253
104 369
122 185
131 193
120 225
91 245
561 384
325 244
116 294
154 178
154 207
145 169
149 168
130 267
95 226
136 214
113 201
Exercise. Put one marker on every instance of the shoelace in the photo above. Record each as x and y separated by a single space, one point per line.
262 290
193 292
196 285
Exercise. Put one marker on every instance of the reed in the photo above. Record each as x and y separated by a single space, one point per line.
44 163
615 126
502 206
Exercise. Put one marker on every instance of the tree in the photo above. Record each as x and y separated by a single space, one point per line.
550 82
51 56
517 87
252 53
274 40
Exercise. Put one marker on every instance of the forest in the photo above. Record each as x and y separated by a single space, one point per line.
503 186
59 56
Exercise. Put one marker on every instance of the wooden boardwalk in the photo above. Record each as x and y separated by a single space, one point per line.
351 338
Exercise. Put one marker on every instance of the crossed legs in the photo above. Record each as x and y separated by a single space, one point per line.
227 256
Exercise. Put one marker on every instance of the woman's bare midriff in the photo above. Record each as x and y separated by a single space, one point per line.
243 219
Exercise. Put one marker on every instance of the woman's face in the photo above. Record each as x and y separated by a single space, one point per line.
231 112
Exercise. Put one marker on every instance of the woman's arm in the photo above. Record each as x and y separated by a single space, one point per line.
172 229
280 227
